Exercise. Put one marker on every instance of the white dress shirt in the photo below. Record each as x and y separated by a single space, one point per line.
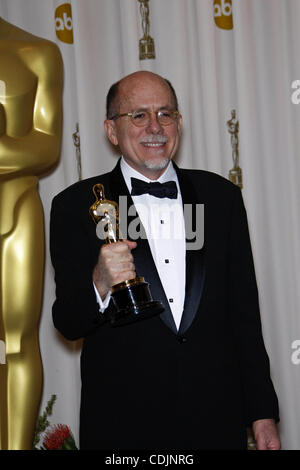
163 222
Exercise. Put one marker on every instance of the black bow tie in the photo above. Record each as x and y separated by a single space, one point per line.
168 189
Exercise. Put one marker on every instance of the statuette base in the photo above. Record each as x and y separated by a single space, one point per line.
133 302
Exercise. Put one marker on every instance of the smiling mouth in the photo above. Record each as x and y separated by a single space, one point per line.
154 142
153 145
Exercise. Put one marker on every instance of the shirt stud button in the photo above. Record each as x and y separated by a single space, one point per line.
181 339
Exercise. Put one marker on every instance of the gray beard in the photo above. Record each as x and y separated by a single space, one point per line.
156 166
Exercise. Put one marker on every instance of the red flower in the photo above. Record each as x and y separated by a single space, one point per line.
57 437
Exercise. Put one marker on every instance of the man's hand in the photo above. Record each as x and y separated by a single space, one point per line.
115 264
266 434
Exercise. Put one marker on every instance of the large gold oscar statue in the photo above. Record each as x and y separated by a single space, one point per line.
30 140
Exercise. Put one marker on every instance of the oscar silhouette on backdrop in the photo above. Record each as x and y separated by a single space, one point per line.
30 139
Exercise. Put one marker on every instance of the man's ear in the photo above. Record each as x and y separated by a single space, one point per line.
179 124
110 130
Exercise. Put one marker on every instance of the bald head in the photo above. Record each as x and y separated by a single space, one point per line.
121 89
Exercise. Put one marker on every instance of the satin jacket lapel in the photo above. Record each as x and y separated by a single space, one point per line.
144 263
195 266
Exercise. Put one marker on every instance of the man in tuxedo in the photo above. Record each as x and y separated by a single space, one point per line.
196 375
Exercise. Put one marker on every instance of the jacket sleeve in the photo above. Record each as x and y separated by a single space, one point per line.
259 395
75 310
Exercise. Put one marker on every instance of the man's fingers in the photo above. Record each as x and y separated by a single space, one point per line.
115 265
122 277
266 434
123 246
131 245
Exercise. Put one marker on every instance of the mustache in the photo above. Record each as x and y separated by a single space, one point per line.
155 139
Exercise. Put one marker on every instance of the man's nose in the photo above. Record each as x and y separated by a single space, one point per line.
154 125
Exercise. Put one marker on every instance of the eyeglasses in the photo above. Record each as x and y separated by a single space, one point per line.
142 118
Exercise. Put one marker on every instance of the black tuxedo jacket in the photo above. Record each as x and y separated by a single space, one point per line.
147 385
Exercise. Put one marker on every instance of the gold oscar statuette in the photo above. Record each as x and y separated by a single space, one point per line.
146 44
30 140
76 142
132 298
235 174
